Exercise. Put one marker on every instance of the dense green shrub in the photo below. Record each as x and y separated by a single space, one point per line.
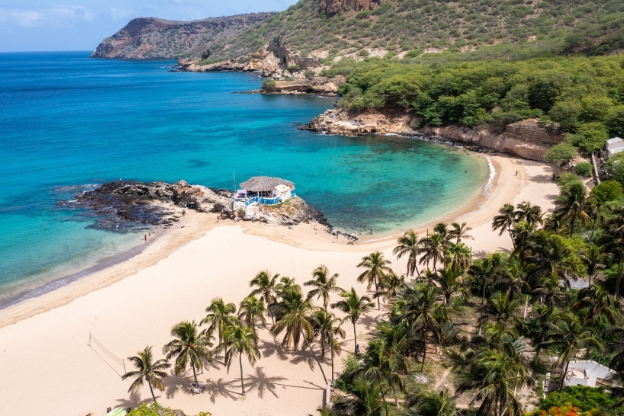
268 85
583 397
294 68
607 191
561 154
583 169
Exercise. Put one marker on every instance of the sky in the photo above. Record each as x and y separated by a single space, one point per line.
72 25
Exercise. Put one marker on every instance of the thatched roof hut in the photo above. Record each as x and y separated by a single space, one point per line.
264 184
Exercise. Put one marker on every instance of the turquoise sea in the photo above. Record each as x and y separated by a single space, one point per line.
68 123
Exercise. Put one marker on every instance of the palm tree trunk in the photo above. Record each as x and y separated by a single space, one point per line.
240 361
422 369
572 225
317 360
562 378
396 403
377 293
513 242
591 237
332 361
617 283
194 373
383 396
151 390
354 338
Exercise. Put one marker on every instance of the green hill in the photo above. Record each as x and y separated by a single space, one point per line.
331 28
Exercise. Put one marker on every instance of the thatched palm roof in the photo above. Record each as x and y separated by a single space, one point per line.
263 183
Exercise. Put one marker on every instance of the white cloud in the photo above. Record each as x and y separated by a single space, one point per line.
56 16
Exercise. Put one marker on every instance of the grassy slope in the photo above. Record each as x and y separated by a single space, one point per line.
590 26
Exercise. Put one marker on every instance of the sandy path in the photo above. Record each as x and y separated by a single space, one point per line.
49 368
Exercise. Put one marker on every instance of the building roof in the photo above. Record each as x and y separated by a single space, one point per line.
264 183
614 140
615 145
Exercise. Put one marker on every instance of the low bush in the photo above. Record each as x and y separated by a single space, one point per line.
583 169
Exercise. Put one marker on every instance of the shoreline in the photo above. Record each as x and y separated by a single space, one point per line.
135 303
196 225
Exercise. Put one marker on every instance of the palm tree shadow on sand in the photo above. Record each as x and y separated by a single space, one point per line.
268 349
133 401
221 388
262 383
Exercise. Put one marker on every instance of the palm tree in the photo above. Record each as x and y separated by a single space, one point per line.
532 214
323 284
189 347
327 327
551 257
451 282
391 285
505 220
384 362
428 403
252 310
220 315
424 312
264 285
570 336
292 315
364 399
546 315
433 249
501 308
458 255
409 245
376 268
240 339
599 302
593 258
521 234
613 242
496 375
354 306
147 371
460 231
572 204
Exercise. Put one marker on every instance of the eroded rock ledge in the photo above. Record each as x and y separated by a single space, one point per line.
127 206
526 139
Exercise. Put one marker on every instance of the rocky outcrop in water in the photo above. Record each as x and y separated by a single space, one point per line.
526 139
127 206
316 86
124 206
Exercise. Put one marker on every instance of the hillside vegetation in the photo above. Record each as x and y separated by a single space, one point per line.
412 27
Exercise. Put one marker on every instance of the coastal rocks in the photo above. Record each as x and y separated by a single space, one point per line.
291 212
273 61
343 123
125 206
317 86
526 139
266 63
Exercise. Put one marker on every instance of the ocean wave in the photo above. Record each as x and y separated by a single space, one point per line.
490 184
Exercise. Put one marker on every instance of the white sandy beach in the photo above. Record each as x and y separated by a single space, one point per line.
48 368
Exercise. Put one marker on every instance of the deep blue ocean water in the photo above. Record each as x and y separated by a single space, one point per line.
67 121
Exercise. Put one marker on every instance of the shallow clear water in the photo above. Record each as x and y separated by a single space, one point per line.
67 120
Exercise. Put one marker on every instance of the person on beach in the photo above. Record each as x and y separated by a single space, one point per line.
516 173
145 237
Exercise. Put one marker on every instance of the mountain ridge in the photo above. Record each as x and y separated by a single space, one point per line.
155 38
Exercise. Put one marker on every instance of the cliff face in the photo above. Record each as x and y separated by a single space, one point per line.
335 7
150 38
525 139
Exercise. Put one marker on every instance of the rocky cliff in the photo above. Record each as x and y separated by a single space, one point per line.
526 139
151 38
